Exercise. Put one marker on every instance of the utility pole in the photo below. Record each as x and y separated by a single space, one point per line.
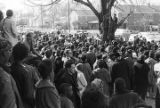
69 16
42 16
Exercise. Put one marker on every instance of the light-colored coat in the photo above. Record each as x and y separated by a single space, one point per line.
9 29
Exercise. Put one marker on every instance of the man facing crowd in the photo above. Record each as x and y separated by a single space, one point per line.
8 28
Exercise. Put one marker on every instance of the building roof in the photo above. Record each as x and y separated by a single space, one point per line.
138 9
84 12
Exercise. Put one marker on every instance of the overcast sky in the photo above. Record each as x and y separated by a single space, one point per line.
19 4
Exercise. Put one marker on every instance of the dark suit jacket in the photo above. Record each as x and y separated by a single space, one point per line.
72 79
26 78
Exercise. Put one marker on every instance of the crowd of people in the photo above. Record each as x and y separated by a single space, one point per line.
53 70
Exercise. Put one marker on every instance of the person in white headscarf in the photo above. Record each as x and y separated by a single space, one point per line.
82 83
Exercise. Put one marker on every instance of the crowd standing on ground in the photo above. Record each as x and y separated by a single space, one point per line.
53 70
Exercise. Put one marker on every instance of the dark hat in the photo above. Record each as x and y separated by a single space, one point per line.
117 55
68 63
141 57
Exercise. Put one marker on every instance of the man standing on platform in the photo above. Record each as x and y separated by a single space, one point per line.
8 28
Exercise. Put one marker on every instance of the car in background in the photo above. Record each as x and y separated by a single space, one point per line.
132 37
122 33
150 36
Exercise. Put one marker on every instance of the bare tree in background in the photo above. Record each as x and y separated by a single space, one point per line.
107 24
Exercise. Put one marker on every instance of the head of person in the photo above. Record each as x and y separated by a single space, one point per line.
79 67
48 53
129 53
5 51
157 56
151 54
97 84
83 50
20 52
70 65
99 56
101 64
115 15
117 56
68 53
66 89
120 85
29 37
141 58
9 13
1 15
91 47
45 68
84 58
93 98
146 54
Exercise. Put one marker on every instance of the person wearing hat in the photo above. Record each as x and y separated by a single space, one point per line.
9 95
68 75
120 68
141 70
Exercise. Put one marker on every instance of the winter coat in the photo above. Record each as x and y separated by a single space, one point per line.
47 95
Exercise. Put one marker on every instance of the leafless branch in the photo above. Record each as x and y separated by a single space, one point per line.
52 2
124 19
90 5
111 3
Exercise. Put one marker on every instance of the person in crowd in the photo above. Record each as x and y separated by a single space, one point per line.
93 98
98 57
82 83
120 68
102 73
70 76
9 94
1 16
25 75
66 93
130 60
91 57
48 54
46 93
28 42
141 70
123 98
86 68
8 28
58 63
151 75
68 55
157 73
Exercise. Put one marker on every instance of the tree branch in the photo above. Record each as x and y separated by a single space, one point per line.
52 2
111 3
124 19
89 5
